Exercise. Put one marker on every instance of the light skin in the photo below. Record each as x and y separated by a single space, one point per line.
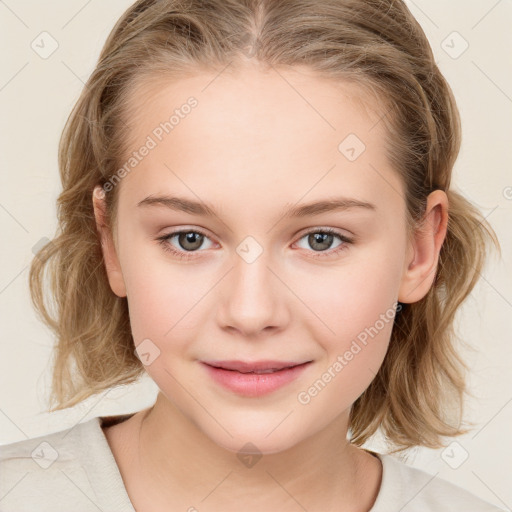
252 148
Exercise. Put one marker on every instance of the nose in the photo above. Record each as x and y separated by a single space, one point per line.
252 298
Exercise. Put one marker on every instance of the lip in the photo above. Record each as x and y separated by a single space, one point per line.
239 376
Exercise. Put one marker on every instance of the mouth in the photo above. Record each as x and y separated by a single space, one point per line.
257 367
254 378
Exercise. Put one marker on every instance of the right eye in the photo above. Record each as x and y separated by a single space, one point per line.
189 240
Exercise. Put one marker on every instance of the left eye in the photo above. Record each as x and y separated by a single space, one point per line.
320 238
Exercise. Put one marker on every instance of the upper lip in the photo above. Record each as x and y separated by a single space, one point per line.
245 367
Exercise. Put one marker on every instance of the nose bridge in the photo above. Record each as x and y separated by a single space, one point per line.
250 295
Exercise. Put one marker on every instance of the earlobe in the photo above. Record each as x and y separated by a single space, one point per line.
112 265
422 259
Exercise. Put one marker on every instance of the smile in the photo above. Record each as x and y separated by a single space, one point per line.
254 379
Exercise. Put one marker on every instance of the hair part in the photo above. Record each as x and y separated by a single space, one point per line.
418 393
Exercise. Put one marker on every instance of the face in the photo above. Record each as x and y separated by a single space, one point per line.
251 282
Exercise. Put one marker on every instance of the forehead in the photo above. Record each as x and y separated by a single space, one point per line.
261 137
256 102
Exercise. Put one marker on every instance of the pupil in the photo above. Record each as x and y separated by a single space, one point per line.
320 238
190 238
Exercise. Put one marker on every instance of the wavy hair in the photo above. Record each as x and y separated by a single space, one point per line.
418 394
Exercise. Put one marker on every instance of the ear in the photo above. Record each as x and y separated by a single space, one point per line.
423 251
115 276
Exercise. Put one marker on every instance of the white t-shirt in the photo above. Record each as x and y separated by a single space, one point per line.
75 470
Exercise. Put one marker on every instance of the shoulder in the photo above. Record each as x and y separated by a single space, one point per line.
63 470
48 452
409 489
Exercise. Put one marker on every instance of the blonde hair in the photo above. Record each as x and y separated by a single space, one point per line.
418 393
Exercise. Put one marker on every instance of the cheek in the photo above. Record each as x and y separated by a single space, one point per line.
353 296
362 319
354 315
164 298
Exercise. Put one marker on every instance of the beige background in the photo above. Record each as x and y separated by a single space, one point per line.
36 95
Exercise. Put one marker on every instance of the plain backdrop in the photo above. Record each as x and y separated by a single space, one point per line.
471 41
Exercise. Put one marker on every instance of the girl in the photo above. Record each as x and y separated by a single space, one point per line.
256 211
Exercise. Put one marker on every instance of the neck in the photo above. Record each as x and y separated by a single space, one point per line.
177 463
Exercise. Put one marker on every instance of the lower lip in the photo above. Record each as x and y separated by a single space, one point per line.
254 384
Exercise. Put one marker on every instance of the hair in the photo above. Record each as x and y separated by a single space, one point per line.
417 396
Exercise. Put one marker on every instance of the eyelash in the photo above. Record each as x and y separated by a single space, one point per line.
164 242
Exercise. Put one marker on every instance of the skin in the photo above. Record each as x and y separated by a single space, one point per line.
257 142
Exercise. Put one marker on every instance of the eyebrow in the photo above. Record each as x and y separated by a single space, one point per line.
201 208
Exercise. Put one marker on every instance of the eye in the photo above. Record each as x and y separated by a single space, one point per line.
188 241
320 239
